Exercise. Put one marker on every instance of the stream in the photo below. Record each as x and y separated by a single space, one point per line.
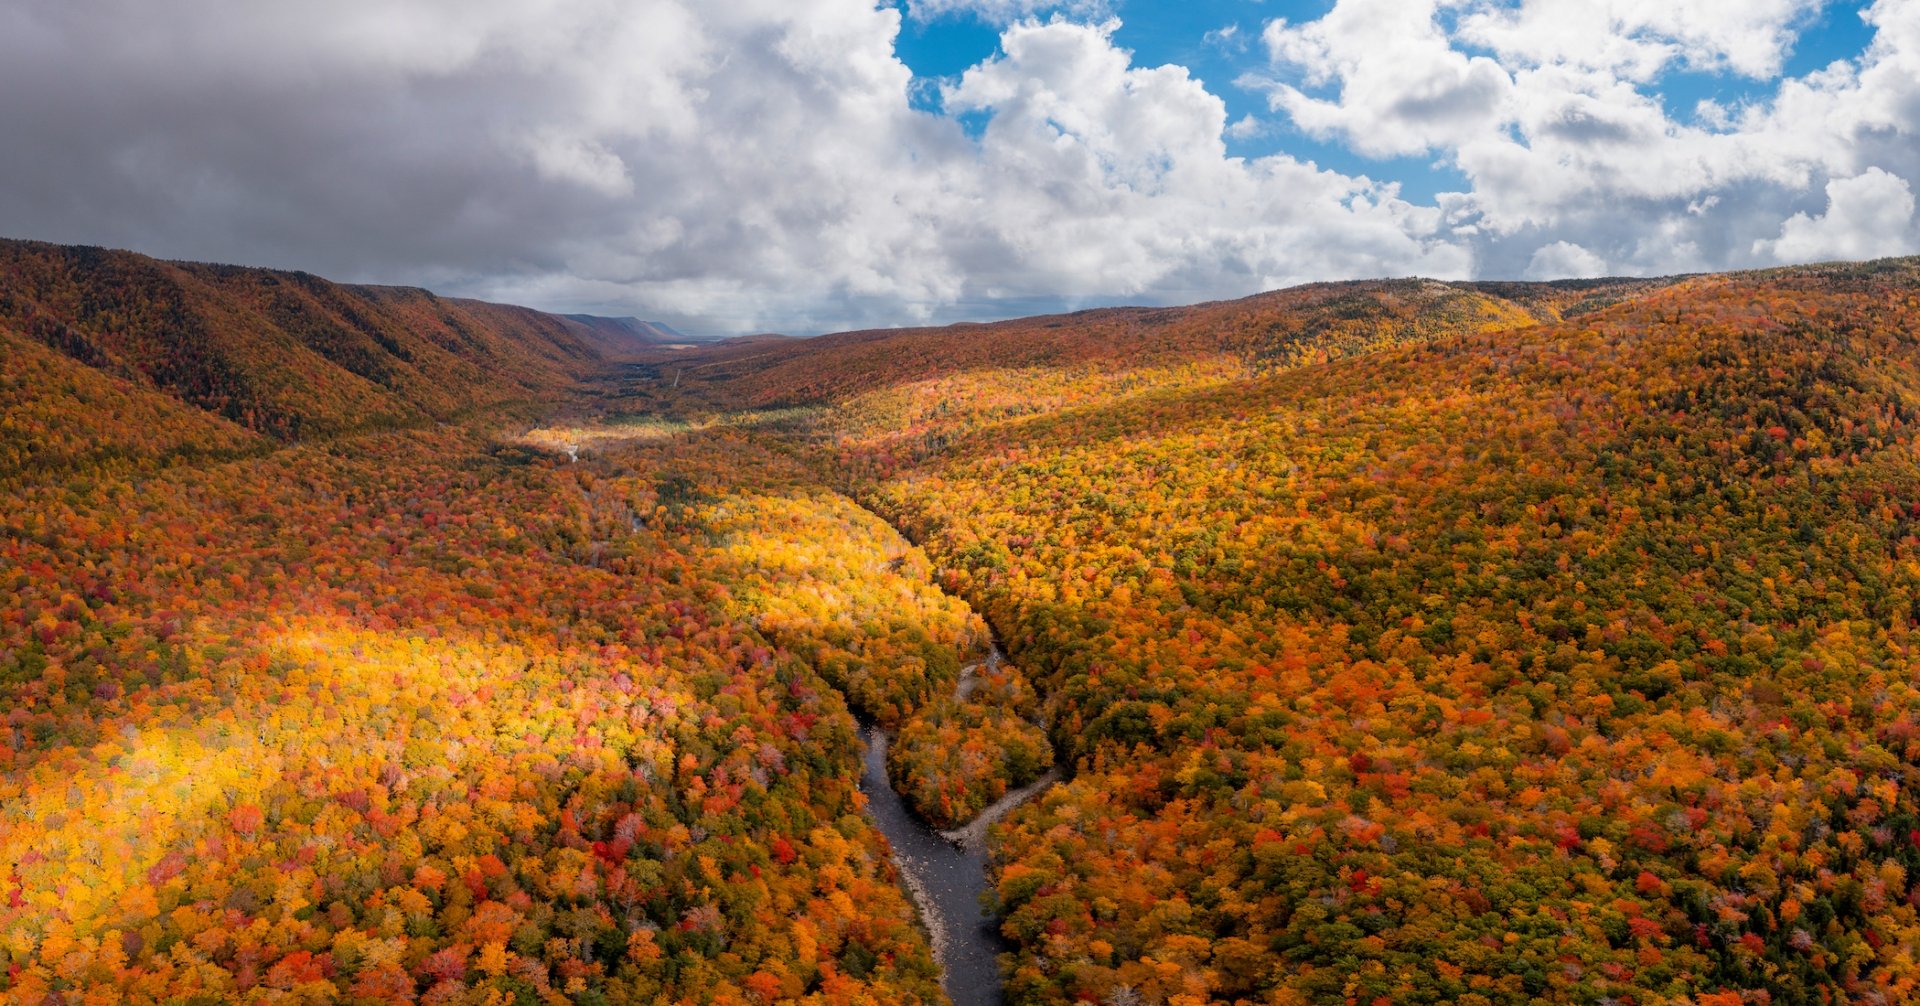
946 871
945 881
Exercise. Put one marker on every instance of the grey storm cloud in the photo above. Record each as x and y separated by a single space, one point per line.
758 164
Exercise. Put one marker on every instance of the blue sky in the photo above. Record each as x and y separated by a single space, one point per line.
1219 42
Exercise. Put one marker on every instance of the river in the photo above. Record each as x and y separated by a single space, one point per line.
945 880
946 871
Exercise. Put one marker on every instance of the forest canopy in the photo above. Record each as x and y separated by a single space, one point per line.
1398 642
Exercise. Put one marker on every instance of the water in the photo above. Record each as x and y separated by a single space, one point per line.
946 881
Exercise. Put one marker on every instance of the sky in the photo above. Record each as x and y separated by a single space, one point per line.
814 165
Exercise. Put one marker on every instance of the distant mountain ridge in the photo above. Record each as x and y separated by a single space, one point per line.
628 333
1262 332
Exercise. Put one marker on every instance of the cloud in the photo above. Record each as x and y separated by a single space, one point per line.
1637 39
763 163
1103 176
1402 87
580 160
1868 216
1249 127
1552 111
1227 39
727 167
1564 260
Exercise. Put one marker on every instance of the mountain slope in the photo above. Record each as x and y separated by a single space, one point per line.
287 355
59 414
1270 330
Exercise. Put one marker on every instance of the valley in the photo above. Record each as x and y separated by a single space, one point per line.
1395 642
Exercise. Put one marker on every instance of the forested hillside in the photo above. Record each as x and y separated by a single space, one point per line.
1286 328
260 353
414 715
1568 662
1394 642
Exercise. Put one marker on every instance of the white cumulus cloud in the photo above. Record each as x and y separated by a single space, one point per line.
1402 86
1636 39
1552 111
1564 260
1868 216
1096 176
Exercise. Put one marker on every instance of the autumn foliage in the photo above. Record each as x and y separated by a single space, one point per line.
417 716
959 754
1399 643
1562 662
115 359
